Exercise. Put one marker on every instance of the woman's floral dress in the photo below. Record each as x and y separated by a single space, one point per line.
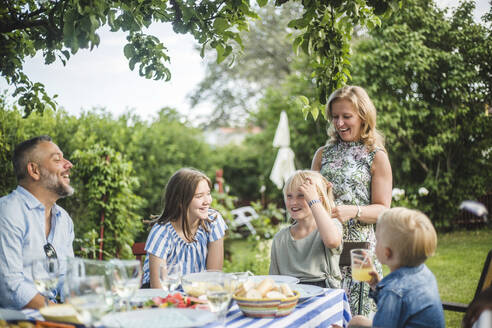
347 165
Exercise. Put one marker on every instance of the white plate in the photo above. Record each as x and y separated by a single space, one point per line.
142 295
306 291
277 278
173 318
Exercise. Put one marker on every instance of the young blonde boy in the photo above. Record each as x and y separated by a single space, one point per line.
408 296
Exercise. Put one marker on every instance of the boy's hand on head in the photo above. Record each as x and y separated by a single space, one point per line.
308 189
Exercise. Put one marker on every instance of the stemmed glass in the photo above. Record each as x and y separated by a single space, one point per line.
219 294
45 274
170 276
77 268
87 294
126 278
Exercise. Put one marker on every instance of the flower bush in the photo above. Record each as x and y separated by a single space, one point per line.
410 200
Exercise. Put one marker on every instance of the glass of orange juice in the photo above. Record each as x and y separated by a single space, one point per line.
361 263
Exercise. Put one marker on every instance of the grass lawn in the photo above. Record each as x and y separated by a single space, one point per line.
457 265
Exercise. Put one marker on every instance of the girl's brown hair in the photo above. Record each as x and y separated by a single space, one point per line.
364 107
179 193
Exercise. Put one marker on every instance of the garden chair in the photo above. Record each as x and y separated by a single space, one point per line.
484 282
345 260
138 250
244 215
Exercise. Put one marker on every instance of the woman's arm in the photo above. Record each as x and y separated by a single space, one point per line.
155 263
215 257
316 164
381 184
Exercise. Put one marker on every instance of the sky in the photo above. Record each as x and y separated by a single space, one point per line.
102 78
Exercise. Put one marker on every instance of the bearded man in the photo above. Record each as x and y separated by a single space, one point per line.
32 225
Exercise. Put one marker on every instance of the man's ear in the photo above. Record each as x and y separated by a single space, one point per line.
33 171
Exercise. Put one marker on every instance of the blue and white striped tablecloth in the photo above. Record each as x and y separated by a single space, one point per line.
320 311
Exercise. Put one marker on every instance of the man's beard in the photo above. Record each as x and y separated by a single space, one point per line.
52 182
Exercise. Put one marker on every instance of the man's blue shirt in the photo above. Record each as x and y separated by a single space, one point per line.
22 237
408 297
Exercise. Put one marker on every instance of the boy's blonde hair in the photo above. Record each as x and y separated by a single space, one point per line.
323 187
409 233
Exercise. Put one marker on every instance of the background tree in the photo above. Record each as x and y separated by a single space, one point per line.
143 155
265 61
60 28
106 183
430 78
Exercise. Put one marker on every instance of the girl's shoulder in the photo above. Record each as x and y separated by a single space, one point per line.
160 229
215 220
214 215
284 232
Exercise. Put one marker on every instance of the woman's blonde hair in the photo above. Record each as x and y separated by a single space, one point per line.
323 187
409 233
364 107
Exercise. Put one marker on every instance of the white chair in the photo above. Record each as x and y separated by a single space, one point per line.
243 215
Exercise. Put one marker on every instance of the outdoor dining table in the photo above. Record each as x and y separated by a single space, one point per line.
323 310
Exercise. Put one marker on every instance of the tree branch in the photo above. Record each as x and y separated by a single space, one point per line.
21 25
413 152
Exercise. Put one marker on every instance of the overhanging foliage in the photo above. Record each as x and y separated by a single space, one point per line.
59 28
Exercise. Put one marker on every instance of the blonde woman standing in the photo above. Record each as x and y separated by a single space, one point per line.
355 161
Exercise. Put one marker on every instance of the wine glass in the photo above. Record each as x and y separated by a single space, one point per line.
126 279
45 274
170 276
219 294
78 268
87 294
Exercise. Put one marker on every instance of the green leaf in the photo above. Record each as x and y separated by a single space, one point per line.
262 3
221 24
304 100
129 51
220 53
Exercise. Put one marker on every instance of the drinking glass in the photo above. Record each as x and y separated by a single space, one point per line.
78 268
45 274
361 263
219 294
87 294
126 279
170 276
238 278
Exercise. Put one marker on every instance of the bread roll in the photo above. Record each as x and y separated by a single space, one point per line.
265 286
275 295
244 288
254 294
285 289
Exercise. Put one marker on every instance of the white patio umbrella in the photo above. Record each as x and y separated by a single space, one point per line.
283 166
